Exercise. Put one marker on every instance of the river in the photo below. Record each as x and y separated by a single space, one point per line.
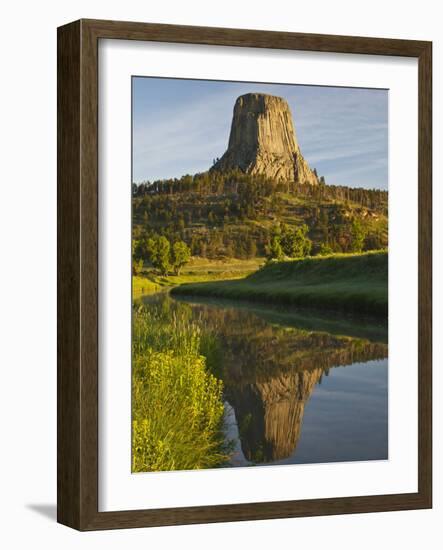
299 387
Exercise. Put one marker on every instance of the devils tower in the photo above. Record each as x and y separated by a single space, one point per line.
263 141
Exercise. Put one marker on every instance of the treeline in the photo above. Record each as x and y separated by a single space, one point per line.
168 251
214 243
255 187
209 231
328 221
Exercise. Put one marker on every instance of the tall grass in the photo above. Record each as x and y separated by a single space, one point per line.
177 404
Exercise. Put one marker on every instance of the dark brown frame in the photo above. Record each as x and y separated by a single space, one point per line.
77 453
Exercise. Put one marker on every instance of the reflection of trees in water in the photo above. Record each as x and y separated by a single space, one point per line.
269 371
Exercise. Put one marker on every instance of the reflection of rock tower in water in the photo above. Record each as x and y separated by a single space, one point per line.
270 371
269 414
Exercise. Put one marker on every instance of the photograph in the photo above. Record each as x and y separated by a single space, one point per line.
259 274
229 220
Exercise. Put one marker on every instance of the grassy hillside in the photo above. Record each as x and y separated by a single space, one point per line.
353 282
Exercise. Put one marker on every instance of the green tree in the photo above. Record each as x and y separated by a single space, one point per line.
181 255
374 240
325 249
357 236
159 252
295 242
150 249
163 255
134 247
137 266
275 251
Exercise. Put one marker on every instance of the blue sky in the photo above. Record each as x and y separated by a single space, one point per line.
180 126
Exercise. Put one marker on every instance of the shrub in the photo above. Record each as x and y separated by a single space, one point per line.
177 404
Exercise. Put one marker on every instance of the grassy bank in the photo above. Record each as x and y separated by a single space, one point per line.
346 282
177 404
198 270
143 285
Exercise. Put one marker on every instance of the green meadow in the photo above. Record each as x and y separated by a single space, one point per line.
198 270
356 283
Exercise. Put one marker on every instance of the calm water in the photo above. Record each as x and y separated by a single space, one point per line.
299 387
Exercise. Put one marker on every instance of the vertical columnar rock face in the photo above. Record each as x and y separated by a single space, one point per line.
263 141
276 407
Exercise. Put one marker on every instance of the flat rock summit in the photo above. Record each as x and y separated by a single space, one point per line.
263 141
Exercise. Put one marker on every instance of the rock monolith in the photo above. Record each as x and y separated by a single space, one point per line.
263 141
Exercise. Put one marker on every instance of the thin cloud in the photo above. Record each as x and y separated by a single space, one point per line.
180 126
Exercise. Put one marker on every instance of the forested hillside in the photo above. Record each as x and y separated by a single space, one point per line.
237 215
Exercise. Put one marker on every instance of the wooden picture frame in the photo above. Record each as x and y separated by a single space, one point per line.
77 456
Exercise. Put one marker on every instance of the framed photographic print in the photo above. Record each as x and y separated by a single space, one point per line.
244 275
